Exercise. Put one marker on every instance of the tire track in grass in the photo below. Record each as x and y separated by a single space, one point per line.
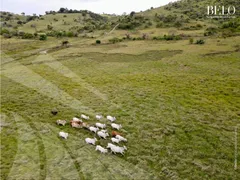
60 160
27 164
76 164
68 149
7 159
41 149
42 154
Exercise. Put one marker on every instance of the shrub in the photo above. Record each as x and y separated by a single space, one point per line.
27 36
128 36
168 37
21 33
177 24
144 36
199 26
51 33
139 38
70 34
149 23
4 31
210 31
5 35
115 40
200 41
49 27
59 34
65 43
14 33
191 41
227 33
98 42
19 22
159 25
64 15
177 37
42 37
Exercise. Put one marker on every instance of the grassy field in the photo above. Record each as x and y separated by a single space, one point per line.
178 105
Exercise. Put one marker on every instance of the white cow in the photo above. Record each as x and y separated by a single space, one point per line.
98 117
110 118
101 149
117 149
102 134
100 125
61 122
116 126
91 141
84 117
93 129
103 130
121 138
63 135
111 145
115 140
75 119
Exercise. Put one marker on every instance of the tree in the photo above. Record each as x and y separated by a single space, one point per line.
132 13
23 13
61 10
20 22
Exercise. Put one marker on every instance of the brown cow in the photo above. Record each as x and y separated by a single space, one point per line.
75 124
114 133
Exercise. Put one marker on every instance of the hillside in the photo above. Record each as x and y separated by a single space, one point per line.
11 20
179 16
76 22
183 15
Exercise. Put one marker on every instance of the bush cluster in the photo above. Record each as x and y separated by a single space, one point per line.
200 41
42 37
115 40
167 37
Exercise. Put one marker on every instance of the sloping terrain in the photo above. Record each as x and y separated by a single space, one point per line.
178 104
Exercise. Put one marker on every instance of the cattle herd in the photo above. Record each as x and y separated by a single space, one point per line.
100 130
